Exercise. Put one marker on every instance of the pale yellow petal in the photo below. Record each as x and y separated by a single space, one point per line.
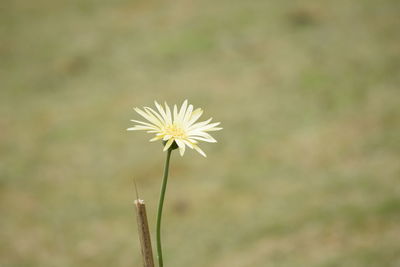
199 124
162 112
166 137
214 129
187 116
204 127
175 114
148 117
192 141
182 111
203 137
132 129
168 144
209 140
181 146
152 112
195 116
144 123
156 138
188 143
140 127
197 148
168 113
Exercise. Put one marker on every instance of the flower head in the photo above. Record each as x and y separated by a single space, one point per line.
179 127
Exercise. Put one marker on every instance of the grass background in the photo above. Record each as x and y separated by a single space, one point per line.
306 171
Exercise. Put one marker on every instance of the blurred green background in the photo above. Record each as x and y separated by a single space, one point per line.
306 171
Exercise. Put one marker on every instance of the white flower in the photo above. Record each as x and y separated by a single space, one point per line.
181 127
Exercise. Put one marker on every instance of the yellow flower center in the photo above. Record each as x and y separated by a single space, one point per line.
175 131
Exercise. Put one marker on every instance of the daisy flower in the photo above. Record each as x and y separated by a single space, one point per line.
178 128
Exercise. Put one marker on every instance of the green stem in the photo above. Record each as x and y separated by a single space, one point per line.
160 208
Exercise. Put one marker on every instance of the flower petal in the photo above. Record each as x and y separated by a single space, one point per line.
168 144
209 140
144 123
140 127
214 129
188 143
166 137
206 127
199 124
192 141
148 117
200 151
156 138
168 113
203 136
153 113
182 111
161 110
175 114
195 116
181 146
188 114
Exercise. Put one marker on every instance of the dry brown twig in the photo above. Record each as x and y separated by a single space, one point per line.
144 233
